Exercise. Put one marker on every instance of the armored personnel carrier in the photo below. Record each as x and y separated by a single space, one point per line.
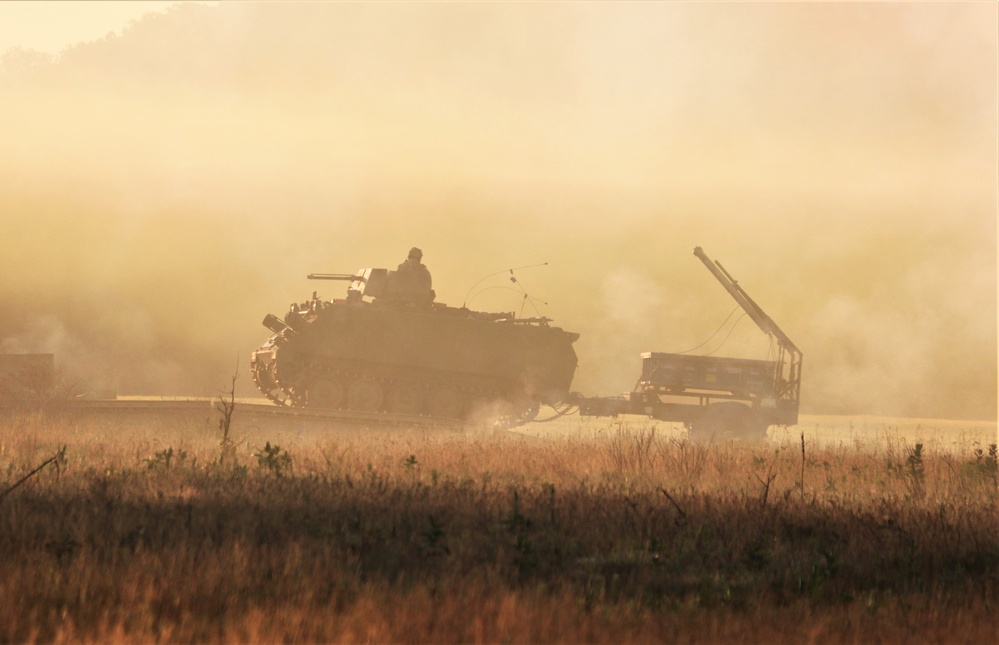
387 347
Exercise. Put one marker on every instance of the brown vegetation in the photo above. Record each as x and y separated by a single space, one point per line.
615 533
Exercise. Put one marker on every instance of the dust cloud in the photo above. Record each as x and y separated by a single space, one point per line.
165 187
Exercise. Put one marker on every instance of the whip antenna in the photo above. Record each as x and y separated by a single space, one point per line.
513 278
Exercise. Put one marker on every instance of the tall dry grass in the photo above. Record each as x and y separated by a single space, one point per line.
616 533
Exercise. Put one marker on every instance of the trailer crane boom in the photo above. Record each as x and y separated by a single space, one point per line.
787 372
715 397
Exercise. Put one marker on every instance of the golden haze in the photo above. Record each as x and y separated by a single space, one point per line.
165 188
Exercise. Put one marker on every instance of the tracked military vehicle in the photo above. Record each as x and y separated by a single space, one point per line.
387 347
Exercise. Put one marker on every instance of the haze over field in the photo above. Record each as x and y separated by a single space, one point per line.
166 186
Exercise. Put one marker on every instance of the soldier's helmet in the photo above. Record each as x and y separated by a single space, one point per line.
415 253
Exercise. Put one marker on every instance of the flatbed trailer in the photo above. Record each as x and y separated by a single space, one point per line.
715 398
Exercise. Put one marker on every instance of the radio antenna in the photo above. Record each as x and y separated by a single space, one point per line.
512 278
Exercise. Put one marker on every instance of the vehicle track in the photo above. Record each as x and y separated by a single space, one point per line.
244 412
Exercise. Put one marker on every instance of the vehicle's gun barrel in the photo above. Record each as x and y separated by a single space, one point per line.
335 276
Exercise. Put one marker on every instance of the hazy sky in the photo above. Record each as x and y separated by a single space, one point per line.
167 186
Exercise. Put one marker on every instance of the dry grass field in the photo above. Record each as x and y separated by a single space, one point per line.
837 530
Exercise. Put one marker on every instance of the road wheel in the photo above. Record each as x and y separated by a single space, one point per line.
365 395
530 412
446 402
517 414
405 398
325 393
290 372
728 421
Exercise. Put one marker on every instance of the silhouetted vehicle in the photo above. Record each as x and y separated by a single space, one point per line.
715 398
389 348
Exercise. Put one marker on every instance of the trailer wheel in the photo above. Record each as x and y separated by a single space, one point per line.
728 421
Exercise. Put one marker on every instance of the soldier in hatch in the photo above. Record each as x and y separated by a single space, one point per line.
414 275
